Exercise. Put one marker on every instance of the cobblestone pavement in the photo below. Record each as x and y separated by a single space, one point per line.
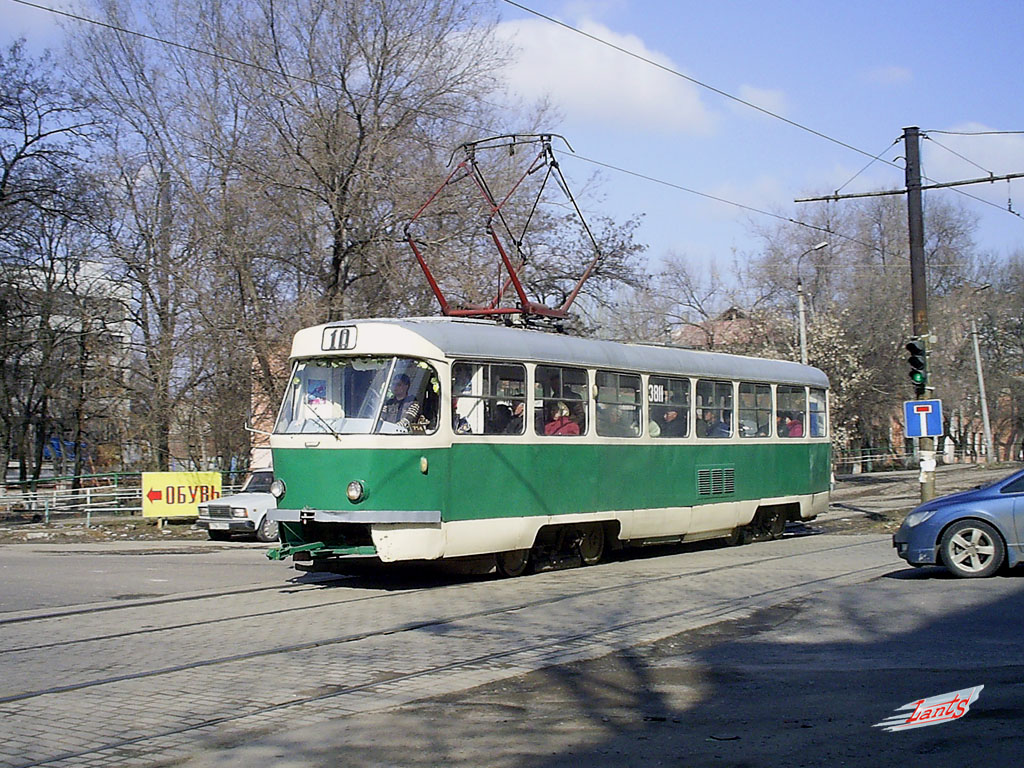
148 681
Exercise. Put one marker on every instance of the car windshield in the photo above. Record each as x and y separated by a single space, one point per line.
259 482
360 396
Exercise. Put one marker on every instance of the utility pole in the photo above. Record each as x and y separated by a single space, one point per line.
918 285
981 391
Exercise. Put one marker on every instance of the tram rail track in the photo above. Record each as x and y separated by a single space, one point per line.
367 634
717 610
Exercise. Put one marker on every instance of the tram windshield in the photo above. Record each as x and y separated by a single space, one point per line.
360 396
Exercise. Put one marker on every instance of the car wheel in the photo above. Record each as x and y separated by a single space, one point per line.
267 530
972 549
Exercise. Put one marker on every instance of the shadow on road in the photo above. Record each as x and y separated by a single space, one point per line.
799 684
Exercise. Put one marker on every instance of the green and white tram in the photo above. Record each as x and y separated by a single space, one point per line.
432 438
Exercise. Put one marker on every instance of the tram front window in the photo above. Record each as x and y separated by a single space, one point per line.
360 396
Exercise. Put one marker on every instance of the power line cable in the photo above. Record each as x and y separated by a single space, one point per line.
870 163
314 82
954 152
978 133
695 81
446 118
726 94
231 59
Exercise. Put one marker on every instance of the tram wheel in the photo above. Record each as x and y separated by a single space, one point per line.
777 525
739 536
513 563
591 544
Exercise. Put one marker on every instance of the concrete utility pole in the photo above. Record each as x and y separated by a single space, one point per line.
800 301
981 391
918 285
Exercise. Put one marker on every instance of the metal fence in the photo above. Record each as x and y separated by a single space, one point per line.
46 499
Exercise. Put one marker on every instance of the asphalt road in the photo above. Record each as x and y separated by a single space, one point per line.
802 683
164 652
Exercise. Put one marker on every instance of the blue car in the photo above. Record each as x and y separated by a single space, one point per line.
973 533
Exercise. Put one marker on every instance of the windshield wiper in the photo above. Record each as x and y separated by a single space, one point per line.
323 421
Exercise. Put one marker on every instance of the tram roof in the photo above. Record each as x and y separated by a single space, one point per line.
486 340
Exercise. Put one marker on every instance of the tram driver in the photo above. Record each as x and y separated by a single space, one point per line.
401 408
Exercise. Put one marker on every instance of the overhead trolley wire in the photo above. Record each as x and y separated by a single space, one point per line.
695 81
619 169
737 99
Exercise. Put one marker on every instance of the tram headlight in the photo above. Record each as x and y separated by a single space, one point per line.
277 488
355 491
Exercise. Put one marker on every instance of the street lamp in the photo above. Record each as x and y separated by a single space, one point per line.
800 300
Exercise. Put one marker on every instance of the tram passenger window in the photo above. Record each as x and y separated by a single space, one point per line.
561 396
714 408
792 407
488 398
819 423
618 404
669 403
755 410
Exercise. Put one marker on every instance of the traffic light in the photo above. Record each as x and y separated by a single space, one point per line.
918 361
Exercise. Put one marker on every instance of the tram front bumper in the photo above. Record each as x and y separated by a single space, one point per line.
421 516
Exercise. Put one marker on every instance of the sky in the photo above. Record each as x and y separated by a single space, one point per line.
858 73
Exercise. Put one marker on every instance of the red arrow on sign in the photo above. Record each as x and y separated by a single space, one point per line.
155 495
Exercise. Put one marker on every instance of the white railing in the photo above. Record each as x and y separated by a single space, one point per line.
44 504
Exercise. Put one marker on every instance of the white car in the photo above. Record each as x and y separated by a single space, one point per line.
244 512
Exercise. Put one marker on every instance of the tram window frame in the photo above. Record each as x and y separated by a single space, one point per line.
666 394
614 400
817 418
759 412
551 386
785 407
721 406
484 384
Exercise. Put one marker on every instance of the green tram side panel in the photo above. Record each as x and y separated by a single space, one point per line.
487 480
513 480
317 479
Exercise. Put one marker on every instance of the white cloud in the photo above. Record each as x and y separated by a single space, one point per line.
765 98
889 75
590 81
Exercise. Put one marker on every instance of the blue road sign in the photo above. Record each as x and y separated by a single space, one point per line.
923 418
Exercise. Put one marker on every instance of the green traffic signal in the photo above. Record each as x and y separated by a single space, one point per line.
918 363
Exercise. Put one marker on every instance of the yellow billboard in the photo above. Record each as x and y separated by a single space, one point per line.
176 494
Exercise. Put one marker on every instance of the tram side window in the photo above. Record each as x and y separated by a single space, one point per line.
618 404
561 396
791 414
669 401
755 410
488 398
714 406
819 423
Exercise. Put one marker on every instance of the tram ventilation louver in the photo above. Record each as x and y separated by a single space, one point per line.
719 481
